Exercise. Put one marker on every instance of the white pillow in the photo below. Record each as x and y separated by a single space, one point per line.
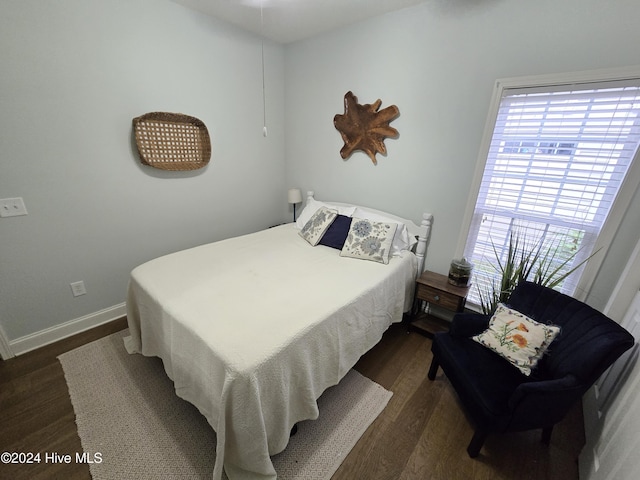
369 240
314 205
314 229
402 240
517 338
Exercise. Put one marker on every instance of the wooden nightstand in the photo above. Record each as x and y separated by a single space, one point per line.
435 289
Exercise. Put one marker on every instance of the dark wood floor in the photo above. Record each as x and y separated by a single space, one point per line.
422 434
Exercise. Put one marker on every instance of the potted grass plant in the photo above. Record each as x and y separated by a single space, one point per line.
548 265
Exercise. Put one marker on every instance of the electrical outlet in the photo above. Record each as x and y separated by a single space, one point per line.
78 288
12 207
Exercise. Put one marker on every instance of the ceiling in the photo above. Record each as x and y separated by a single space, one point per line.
286 21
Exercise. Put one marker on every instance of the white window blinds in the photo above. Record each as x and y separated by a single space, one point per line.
557 158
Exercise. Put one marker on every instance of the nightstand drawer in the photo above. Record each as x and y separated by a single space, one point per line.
438 297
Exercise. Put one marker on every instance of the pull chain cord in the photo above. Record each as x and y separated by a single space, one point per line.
264 100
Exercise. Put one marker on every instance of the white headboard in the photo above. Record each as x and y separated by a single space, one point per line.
422 232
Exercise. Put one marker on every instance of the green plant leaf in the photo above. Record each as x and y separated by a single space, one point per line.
527 260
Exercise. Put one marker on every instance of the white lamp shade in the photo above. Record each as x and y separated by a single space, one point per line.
295 195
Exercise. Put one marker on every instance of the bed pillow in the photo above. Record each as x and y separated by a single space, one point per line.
402 240
317 225
336 234
517 338
314 205
369 240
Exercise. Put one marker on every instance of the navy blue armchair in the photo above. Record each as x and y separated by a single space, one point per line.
497 396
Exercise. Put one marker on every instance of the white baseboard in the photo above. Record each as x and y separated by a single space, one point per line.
5 350
45 337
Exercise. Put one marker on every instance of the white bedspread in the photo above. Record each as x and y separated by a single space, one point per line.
253 329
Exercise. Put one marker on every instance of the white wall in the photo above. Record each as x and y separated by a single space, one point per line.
74 74
438 62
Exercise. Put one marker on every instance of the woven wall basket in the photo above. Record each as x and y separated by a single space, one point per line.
172 141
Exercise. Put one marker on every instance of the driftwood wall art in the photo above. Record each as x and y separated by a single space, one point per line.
364 128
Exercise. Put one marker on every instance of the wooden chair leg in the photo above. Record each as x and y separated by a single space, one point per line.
546 435
433 369
476 443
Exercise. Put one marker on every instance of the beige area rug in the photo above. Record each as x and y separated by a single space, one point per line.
130 420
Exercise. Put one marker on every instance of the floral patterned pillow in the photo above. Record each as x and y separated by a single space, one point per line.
319 222
369 240
517 338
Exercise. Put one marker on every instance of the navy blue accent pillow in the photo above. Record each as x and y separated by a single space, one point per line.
336 234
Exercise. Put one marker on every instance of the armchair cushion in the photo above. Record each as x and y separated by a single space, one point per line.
484 381
516 337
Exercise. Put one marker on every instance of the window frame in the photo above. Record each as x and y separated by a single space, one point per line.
627 190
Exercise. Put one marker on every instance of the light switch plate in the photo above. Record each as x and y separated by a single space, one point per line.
12 207
78 288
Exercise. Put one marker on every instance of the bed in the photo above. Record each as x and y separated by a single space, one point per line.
253 329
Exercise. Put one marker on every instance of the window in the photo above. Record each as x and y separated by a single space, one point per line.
556 161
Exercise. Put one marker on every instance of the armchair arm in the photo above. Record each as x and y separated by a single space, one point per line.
544 403
468 324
